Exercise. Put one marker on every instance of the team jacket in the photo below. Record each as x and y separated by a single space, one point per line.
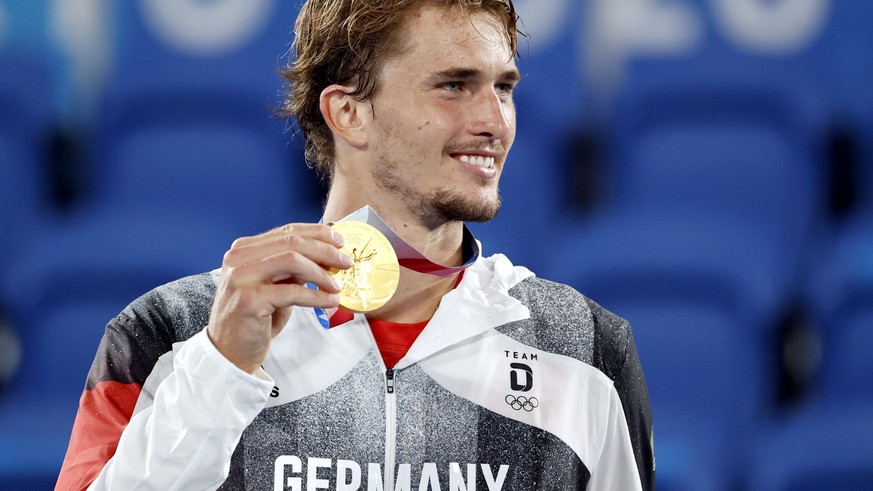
516 383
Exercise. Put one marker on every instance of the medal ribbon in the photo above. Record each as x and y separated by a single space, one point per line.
407 255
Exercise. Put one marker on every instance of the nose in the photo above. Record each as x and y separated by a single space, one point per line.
493 116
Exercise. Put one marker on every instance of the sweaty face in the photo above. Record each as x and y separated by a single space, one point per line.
444 117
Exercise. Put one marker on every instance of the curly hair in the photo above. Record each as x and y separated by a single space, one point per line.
347 42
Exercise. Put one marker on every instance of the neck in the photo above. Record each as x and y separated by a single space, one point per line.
417 298
439 242
418 294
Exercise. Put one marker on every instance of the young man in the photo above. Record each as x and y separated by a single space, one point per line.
475 375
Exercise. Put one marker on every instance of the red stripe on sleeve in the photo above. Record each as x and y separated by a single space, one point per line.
104 411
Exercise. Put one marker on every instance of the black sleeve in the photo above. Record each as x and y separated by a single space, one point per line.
615 353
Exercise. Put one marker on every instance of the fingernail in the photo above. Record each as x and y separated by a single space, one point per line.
333 298
336 284
346 260
338 239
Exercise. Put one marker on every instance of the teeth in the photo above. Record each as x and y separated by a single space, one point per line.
478 160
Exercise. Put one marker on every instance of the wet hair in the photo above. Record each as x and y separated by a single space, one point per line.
347 42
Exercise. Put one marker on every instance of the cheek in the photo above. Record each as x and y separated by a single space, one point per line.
433 133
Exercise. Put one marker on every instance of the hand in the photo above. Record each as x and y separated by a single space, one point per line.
262 278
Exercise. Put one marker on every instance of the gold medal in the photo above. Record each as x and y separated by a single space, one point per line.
372 280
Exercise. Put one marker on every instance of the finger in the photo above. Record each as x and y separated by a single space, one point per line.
316 231
287 267
325 254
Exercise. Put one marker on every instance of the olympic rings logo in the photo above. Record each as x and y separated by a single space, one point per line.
522 402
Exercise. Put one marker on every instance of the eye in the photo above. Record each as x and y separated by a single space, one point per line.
452 86
504 89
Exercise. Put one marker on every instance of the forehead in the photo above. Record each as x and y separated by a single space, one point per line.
443 35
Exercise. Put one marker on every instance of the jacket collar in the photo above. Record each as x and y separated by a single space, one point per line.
481 302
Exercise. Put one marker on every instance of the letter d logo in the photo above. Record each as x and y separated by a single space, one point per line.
514 376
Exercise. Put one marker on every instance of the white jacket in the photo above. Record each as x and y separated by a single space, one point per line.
516 383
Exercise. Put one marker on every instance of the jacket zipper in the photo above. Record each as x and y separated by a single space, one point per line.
389 380
390 429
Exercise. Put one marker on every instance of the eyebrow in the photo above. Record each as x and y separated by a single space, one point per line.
468 73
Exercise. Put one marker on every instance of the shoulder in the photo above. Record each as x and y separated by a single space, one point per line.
551 297
177 310
147 329
578 326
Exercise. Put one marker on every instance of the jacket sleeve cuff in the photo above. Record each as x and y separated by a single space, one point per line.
262 380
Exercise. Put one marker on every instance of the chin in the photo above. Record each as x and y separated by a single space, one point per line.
453 206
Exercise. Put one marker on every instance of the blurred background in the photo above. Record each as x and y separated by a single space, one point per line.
703 168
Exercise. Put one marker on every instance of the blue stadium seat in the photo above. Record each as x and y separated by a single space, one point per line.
736 140
187 159
825 444
26 122
840 294
819 447
93 266
549 59
60 295
842 61
37 414
203 46
233 168
699 294
186 121
864 178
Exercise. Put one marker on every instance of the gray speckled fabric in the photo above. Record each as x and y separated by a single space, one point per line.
435 427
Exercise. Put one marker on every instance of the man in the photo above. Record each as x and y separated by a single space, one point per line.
475 375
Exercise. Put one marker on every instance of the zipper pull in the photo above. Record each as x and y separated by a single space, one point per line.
389 380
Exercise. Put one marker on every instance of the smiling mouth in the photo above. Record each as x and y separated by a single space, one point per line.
485 162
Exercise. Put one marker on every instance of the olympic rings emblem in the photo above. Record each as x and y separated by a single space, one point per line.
522 402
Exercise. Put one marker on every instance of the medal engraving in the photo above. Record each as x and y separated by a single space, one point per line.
372 280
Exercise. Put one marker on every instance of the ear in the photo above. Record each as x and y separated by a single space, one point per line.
345 116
